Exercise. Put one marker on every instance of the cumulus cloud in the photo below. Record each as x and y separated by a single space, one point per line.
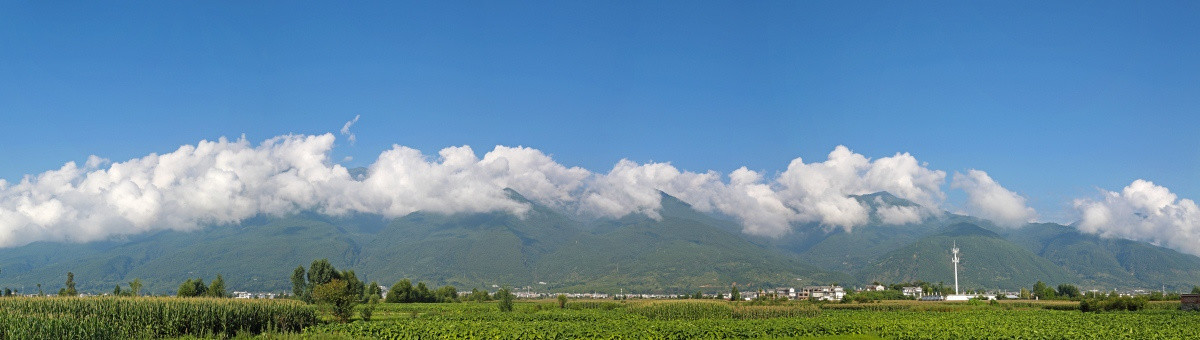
346 130
1143 211
989 200
223 181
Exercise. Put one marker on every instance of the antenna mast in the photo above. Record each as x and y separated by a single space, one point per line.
955 251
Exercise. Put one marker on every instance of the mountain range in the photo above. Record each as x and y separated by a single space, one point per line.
682 250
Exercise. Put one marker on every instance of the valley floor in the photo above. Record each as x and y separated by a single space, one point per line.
713 319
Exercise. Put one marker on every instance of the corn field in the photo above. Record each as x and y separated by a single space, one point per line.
130 317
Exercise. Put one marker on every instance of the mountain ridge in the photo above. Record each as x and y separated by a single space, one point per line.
679 250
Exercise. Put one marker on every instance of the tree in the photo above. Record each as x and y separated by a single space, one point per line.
70 289
1068 291
478 295
135 287
373 291
336 293
1025 294
562 300
186 289
117 291
506 299
299 286
423 294
192 288
321 272
734 295
698 295
217 288
1042 291
1195 289
400 292
447 294
369 308
40 293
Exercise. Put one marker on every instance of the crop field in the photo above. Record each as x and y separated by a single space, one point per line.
120 318
715 319
129 317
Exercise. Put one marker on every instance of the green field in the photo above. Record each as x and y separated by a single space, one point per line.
120 318
712 319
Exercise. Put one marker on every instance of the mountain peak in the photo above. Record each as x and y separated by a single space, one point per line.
516 196
967 229
883 198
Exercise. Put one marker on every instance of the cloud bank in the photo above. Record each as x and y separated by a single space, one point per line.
989 200
227 181
1143 211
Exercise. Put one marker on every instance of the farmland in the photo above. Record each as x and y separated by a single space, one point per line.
100 318
709 319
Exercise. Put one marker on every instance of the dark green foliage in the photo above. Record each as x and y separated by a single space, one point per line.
478 295
446 294
299 284
373 291
734 295
368 308
506 300
1108 304
69 290
117 291
135 287
404 292
192 288
562 300
1068 291
321 272
338 296
1195 289
217 288
401 291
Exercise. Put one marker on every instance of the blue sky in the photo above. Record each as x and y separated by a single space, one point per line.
1053 100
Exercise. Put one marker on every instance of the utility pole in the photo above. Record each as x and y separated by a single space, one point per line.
955 251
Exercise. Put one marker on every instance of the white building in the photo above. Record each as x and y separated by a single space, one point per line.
827 293
913 291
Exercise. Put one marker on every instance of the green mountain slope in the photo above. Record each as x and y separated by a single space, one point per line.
1106 263
682 251
987 261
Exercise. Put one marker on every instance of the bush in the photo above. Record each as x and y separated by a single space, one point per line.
1120 303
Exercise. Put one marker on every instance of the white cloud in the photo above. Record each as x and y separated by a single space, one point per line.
1143 211
899 215
228 181
346 130
821 192
989 200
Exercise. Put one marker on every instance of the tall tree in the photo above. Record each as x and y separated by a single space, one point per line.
734 295
338 296
217 288
299 285
186 289
401 292
374 291
506 299
135 286
1068 291
70 289
1195 289
321 272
